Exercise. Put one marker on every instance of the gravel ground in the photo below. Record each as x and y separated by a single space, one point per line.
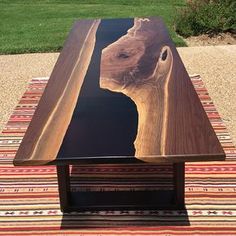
206 40
215 64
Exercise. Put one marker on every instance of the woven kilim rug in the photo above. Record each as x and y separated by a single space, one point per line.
29 197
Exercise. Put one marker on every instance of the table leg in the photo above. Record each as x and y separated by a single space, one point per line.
63 176
179 184
65 192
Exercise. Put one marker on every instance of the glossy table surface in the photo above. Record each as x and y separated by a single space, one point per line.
119 92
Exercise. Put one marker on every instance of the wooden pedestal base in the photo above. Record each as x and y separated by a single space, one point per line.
121 200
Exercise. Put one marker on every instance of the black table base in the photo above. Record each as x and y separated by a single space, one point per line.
121 200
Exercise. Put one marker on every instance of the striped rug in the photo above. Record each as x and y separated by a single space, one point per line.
29 198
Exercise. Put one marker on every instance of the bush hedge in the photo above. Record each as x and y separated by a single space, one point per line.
206 16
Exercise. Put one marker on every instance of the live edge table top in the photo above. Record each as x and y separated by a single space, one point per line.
119 92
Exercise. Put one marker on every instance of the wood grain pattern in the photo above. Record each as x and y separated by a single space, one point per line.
172 124
145 66
45 134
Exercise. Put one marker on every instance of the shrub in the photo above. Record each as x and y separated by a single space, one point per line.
206 16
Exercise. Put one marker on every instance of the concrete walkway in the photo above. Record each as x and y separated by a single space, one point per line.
215 64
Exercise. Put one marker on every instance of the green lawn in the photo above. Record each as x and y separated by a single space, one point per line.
42 25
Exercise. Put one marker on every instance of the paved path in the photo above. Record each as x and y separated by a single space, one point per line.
215 64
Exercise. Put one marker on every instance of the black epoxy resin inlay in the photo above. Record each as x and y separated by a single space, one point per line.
103 123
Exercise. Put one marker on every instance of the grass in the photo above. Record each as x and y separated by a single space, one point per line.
28 26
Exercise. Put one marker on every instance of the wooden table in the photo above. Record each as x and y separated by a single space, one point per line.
119 93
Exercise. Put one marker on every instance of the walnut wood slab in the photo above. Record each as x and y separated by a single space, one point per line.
141 76
46 131
172 124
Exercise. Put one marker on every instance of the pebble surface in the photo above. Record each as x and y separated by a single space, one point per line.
215 64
